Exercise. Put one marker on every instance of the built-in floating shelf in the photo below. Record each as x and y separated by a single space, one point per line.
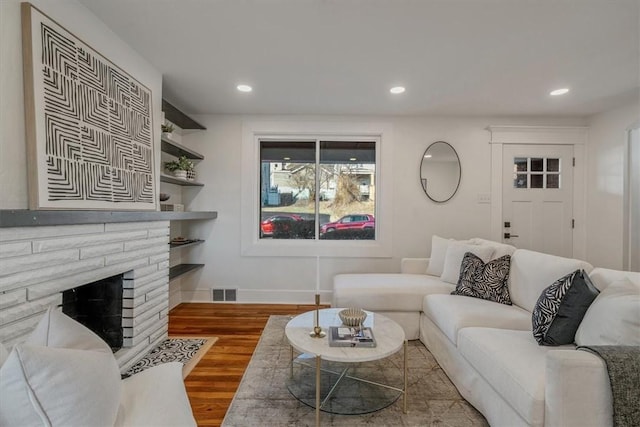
175 149
27 218
176 116
177 181
185 245
186 216
182 269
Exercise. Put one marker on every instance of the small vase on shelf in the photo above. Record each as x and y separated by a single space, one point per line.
178 173
166 130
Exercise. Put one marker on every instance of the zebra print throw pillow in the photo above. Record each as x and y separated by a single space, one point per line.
486 281
561 307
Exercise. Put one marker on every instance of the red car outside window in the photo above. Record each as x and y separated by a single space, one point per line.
266 226
349 222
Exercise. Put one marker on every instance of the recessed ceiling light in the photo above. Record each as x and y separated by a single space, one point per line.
353 159
427 156
244 88
558 92
397 89
286 158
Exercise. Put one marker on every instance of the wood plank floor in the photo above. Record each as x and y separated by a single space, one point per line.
214 381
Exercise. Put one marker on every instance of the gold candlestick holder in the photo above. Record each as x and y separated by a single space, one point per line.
317 331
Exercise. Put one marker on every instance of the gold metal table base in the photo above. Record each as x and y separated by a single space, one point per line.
344 374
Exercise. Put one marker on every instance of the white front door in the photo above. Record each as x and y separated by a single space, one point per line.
632 204
537 198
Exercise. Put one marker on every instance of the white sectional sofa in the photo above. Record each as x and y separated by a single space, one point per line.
488 350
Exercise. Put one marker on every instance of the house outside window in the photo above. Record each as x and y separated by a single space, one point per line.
318 189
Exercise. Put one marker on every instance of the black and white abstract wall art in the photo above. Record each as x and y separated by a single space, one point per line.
90 136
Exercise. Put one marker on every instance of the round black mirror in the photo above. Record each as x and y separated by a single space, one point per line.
440 172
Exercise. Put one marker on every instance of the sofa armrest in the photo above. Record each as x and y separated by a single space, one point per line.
414 265
577 390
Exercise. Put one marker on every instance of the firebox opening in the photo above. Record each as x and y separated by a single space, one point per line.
98 306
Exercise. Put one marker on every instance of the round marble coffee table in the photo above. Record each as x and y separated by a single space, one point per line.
341 368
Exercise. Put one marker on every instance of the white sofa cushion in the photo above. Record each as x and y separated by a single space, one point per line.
614 316
455 254
385 292
513 363
414 265
58 386
531 272
499 249
451 313
154 397
439 247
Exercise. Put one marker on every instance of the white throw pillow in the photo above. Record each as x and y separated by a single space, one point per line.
439 247
56 329
3 354
455 254
499 249
613 318
64 374
58 387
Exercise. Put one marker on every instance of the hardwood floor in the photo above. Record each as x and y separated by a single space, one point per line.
213 382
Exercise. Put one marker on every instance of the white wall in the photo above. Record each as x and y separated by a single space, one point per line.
605 184
415 217
81 22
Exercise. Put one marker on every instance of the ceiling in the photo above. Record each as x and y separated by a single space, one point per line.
455 57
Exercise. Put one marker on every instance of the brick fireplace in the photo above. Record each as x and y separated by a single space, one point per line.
38 263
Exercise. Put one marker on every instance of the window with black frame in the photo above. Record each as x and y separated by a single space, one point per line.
336 187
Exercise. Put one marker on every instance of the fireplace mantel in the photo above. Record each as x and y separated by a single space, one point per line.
27 218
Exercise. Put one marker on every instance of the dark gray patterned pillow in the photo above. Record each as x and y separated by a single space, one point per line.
486 281
561 307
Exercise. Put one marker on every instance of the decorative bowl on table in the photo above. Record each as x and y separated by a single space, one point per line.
352 316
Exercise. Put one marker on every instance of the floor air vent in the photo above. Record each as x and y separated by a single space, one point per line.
225 295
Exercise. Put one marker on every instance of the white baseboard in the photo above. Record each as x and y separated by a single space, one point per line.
262 296
198 295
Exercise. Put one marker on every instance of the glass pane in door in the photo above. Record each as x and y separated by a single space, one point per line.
520 164
537 180
520 180
553 165
553 181
537 164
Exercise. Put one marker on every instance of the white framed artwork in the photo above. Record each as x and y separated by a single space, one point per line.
90 134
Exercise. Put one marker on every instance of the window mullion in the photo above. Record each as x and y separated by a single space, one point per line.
317 191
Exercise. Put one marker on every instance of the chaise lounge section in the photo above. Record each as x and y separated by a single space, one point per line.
488 349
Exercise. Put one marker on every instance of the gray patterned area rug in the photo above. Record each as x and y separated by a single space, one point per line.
263 397
186 350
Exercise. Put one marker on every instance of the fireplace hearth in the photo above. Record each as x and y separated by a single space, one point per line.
98 306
